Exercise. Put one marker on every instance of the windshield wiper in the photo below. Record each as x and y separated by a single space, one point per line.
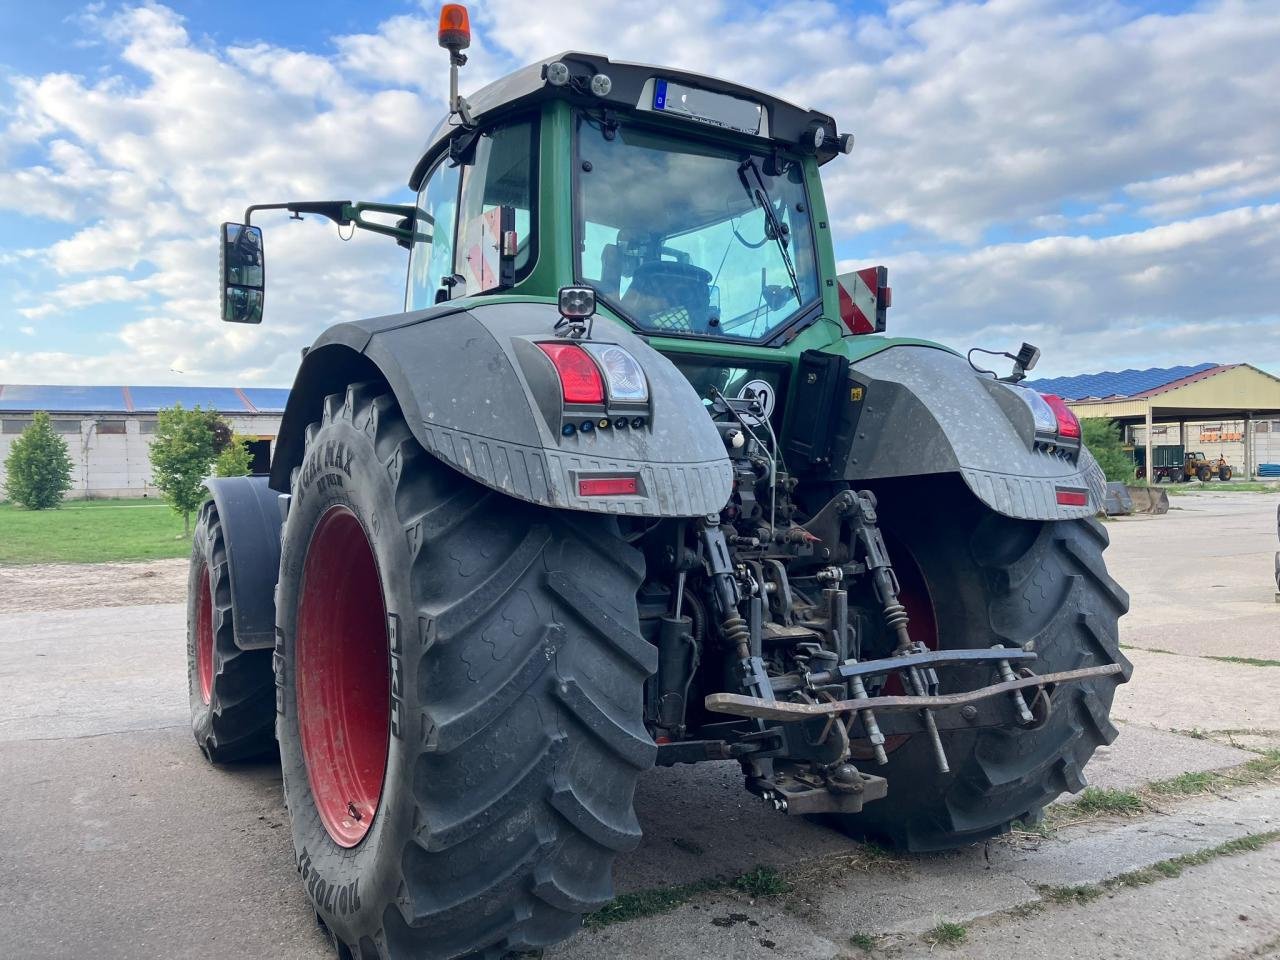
760 194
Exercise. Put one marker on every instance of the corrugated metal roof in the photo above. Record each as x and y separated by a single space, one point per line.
130 399
1120 383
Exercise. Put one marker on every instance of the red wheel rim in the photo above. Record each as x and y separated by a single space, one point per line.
343 676
204 636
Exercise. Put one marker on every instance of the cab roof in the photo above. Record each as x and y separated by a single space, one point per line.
632 89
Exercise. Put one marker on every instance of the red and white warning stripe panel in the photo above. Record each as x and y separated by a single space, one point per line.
865 296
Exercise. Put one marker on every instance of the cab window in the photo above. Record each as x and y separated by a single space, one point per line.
501 174
431 259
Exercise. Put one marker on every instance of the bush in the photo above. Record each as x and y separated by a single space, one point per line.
234 459
38 467
1102 437
185 446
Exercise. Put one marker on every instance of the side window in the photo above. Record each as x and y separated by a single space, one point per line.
501 176
431 259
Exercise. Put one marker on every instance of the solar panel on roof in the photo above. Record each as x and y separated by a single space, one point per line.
223 399
21 396
1121 383
267 399
55 398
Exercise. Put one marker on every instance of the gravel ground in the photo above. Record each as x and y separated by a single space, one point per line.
75 586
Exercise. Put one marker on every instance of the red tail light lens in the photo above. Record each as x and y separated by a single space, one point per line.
580 380
1068 423
608 487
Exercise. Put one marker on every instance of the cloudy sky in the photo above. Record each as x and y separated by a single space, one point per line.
1101 178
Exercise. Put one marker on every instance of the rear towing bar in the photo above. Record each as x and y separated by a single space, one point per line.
958 710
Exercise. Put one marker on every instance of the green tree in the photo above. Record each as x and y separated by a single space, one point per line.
38 468
185 446
234 459
1102 437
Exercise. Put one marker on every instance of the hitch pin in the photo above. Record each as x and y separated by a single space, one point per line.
930 724
1006 674
869 722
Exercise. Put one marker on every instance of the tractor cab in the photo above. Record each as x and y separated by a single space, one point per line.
691 208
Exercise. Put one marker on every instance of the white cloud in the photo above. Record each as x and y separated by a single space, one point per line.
1030 117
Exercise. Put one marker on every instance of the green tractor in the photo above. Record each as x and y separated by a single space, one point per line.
635 479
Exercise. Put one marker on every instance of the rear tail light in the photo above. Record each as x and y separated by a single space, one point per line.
1068 424
624 377
580 380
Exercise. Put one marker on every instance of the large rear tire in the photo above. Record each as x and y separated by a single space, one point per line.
231 690
490 772
990 579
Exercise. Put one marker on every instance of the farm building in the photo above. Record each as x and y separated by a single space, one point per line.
108 429
1227 410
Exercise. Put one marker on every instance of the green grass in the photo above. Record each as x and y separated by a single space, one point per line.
760 883
91 531
866 942
1232 486
1095 800
947 934
1164 870
1247 661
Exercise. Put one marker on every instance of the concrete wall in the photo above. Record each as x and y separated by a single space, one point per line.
1217 438
110 454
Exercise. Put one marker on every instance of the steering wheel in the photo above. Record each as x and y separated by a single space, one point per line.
669 270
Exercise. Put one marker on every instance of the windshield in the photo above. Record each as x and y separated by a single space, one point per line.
676 234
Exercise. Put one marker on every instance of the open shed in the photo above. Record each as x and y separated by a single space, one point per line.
1178 395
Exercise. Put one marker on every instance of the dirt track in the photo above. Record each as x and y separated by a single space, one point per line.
73 586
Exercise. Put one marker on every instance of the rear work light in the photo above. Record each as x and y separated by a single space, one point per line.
1068 422
608 487
580 380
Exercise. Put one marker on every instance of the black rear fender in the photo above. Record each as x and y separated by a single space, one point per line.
923 410
479 395
250 515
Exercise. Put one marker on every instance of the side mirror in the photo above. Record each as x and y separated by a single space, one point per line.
243 264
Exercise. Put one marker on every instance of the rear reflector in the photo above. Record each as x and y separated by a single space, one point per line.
1068 423
608 487
1073 498
580 380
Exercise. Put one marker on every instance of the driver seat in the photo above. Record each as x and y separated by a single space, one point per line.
668 295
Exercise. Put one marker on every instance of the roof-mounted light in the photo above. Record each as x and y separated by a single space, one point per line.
601 85
814 137
556 73
844 143
455 27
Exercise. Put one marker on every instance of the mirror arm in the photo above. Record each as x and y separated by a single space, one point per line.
344 213
405 212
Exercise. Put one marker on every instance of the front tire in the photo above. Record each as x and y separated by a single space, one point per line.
509 718
991 579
